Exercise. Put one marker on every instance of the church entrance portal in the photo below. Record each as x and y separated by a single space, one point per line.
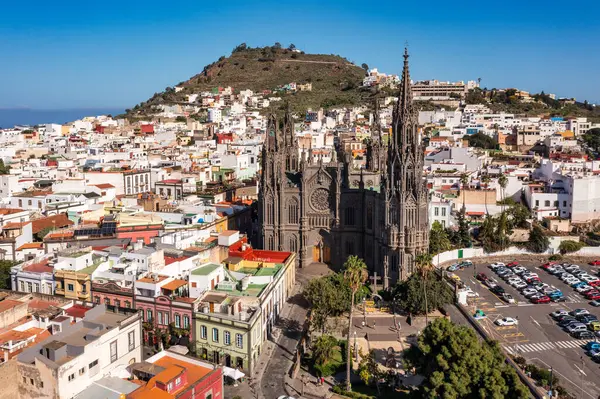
321 252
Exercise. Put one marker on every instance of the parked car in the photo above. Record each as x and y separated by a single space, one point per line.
482 277
592 345
571 268
508 298
584 334
565 321
583 288
453 267
466 263
586 318
547 265
558 313
557 299
454 277
520 270
498 290
576 327
558 271
541 299
507 321
512 264
594 325
593 295
595 263
521 284
566 276
595 303
579 312
490 283
496 265
529 292
538 285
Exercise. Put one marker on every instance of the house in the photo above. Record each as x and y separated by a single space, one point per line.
34 275
66 363
73 272
171 375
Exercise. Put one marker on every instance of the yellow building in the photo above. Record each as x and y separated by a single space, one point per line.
73 273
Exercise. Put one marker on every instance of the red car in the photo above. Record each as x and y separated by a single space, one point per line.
513 264
593 296
594 283
482 277
533 280
595 263
542 299
547 265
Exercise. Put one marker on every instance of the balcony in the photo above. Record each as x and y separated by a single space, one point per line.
60 291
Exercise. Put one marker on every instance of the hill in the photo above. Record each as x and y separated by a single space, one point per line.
335 81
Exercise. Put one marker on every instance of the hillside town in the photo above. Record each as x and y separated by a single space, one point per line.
135 258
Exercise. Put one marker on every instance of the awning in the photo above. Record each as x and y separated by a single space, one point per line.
182 350
233 373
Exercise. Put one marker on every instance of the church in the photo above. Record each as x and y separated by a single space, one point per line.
327 211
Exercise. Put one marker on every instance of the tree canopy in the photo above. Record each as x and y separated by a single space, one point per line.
569 246
410 293
5 266
592 139
538 242
456 364
439 240
480 140
329 296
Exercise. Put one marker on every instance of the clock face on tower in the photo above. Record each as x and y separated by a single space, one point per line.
319 199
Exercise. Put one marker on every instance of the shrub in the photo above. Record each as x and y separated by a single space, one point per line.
555 257
355 395
520 360
569 246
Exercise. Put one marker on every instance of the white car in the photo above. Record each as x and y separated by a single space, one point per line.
515 281
520 270
529 275
507 321
496 265
566 276
520 285
573 281
583 288
529 292
470 292
558 313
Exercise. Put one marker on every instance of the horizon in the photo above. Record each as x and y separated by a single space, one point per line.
124 58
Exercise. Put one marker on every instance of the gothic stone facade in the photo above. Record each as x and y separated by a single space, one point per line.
327 211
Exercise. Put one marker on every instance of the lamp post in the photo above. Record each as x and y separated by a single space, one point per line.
550 391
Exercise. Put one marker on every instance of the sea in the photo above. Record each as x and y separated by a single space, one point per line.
10 117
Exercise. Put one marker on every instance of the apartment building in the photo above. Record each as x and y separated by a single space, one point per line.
67 363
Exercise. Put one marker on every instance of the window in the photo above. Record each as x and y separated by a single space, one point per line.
131 339
293 211
215 335
93 364
537 203
113 351
72 377
203 332
29 287
186 321
70 287
194 285
436 211
370 217
177 320
148 315
127 304
546 203
227 338
556 203
97 299
564 203
41 384
22 286
349 216
29 202
20 203
239 340
82 371
166 319
117 303
107 301
178 381
443 211
159 317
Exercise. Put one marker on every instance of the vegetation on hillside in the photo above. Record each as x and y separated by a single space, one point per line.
335 80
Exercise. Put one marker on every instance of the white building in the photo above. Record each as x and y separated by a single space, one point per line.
68 362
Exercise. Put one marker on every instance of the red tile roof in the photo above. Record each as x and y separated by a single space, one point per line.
56 221
169 259
104 186
77 311
40 267
31 245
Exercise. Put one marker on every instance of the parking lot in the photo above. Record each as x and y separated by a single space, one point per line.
537 336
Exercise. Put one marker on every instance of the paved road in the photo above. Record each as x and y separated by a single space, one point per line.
290 332
537 337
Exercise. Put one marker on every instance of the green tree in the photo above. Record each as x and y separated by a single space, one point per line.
42 233
503 231
181 119
324 349
461 238
4 170
277 45
424 264
5 266
438 239
410 293
485 179
292 46
365 67
518 214
456 364
538 242
355 273
481 140
569 246
368 369
486 234
592 139
464 180
328 296
503 182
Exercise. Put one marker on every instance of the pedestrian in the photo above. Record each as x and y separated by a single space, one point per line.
322 381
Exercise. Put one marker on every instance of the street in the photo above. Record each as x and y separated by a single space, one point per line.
537 337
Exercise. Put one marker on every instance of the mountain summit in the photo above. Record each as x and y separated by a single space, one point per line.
333 80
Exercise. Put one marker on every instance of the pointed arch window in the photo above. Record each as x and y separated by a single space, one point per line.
270 211
271 243
349 216
293 211
293 244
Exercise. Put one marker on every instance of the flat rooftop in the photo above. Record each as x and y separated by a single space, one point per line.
205 270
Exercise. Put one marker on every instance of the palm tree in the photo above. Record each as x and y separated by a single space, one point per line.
424 263
464 180
355 275
324 349
503 182
486 180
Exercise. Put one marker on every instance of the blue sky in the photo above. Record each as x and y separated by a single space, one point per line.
80 54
